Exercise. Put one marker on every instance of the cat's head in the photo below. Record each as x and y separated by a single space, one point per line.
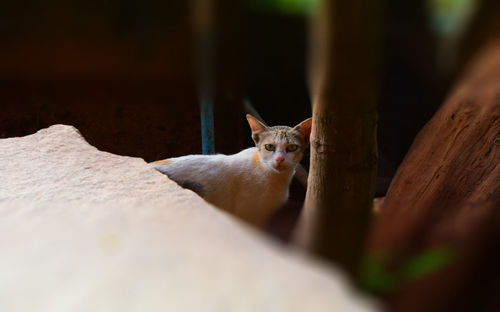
280 147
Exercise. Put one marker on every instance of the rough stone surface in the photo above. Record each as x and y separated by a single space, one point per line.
85 230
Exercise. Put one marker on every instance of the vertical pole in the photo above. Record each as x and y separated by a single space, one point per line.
207 125
204 20
343 75
228 95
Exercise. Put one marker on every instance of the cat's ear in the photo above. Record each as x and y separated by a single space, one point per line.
305 129
257 128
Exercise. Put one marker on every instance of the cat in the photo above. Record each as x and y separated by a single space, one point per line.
251 184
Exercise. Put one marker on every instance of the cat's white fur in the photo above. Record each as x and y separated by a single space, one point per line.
251 184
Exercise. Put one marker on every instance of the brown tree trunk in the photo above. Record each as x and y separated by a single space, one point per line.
446 197
343 141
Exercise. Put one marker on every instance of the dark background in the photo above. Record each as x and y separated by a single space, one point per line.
124 74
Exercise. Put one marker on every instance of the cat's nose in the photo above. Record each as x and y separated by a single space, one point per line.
280 159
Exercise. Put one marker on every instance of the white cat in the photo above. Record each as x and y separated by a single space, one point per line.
251 184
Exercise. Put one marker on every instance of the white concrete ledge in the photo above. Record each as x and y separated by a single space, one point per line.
85 230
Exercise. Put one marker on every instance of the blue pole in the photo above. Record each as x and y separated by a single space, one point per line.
207 125
204 21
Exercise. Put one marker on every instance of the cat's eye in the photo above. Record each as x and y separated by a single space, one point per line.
291 148
270 147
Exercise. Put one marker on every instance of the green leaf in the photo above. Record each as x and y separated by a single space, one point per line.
285 6
426 263
375 277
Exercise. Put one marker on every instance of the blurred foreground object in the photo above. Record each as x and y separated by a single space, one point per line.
444 201
85 230
343 71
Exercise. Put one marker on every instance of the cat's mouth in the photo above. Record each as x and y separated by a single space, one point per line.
280 167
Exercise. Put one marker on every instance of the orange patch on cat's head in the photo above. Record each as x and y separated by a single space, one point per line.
161 162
